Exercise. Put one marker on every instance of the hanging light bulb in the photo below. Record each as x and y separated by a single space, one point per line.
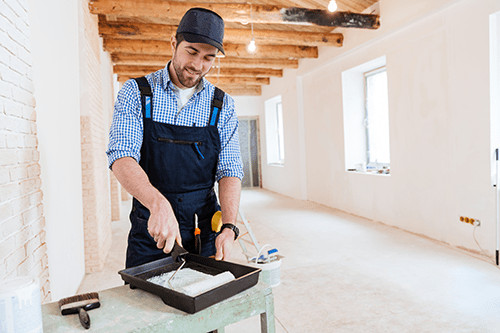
332 6
251 46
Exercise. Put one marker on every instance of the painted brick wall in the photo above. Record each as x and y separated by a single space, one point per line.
116 197
125 195
95 174
23 250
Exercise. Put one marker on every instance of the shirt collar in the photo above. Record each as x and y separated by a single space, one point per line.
167 82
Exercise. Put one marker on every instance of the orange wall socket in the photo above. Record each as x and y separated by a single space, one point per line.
470 220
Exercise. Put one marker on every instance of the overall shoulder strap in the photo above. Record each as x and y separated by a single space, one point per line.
217 103
146 96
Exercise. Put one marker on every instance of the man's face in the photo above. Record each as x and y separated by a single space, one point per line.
191 62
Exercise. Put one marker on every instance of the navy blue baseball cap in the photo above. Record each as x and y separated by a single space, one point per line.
200 25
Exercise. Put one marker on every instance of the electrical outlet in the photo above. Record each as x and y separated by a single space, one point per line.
470 220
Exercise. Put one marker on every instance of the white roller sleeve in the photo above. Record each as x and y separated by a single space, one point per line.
207 284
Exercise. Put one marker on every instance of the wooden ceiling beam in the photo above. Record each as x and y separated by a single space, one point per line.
232 36
235 12
257 63
238 80
272 51
140 59
161 60
243 90
275 37
232 50
250 72
352 6
136 71
232 89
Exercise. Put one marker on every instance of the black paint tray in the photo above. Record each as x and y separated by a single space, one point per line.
245 277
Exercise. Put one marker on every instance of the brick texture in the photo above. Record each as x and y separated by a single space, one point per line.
95 174
125 195
116 197
23 250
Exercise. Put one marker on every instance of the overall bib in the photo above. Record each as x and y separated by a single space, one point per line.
180 162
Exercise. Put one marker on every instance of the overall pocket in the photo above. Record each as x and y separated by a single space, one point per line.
194 144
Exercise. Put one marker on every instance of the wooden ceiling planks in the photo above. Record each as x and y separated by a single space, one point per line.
137 34
232 36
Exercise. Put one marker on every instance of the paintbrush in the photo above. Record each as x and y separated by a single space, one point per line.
80 304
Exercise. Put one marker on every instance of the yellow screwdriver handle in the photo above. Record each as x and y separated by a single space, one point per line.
217 221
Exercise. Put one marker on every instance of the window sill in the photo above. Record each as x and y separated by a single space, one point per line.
276 164
371 172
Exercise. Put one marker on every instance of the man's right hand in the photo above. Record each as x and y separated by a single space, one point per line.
163 227
162 224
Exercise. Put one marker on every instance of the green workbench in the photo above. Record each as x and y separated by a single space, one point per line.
133 310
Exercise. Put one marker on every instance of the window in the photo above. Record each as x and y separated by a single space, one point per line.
274 131
377 119
366 118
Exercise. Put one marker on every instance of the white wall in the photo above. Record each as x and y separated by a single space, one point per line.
55 45
277 178
247 106
438 76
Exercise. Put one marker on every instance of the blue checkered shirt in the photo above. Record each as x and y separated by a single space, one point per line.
126 132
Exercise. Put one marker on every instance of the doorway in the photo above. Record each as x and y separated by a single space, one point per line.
250 151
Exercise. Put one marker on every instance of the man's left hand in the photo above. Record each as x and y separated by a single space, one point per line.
224 244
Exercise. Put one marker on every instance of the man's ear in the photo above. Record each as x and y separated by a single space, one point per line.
173 43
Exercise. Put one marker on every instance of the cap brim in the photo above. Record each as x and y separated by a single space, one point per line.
194 38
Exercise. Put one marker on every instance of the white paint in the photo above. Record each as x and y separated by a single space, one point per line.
439 100
56 54
191 282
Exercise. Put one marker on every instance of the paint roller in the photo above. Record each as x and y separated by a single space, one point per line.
178 252
207 284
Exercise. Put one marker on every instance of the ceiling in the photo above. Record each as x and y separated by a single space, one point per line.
137 35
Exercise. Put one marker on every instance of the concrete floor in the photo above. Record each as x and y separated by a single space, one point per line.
342 273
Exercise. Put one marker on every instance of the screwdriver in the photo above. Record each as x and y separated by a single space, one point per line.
197 236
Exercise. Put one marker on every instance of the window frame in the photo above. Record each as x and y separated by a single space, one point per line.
280 133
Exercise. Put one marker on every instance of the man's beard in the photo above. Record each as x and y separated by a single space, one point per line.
184 79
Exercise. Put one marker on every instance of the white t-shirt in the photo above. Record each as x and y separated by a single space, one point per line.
184 95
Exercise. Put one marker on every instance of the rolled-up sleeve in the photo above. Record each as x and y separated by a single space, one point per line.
230 164
126 131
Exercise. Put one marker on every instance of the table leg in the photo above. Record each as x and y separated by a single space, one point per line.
267 324
220 330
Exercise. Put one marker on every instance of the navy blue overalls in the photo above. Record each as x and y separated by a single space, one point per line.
180 162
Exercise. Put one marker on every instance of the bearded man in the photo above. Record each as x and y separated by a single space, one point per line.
174 135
